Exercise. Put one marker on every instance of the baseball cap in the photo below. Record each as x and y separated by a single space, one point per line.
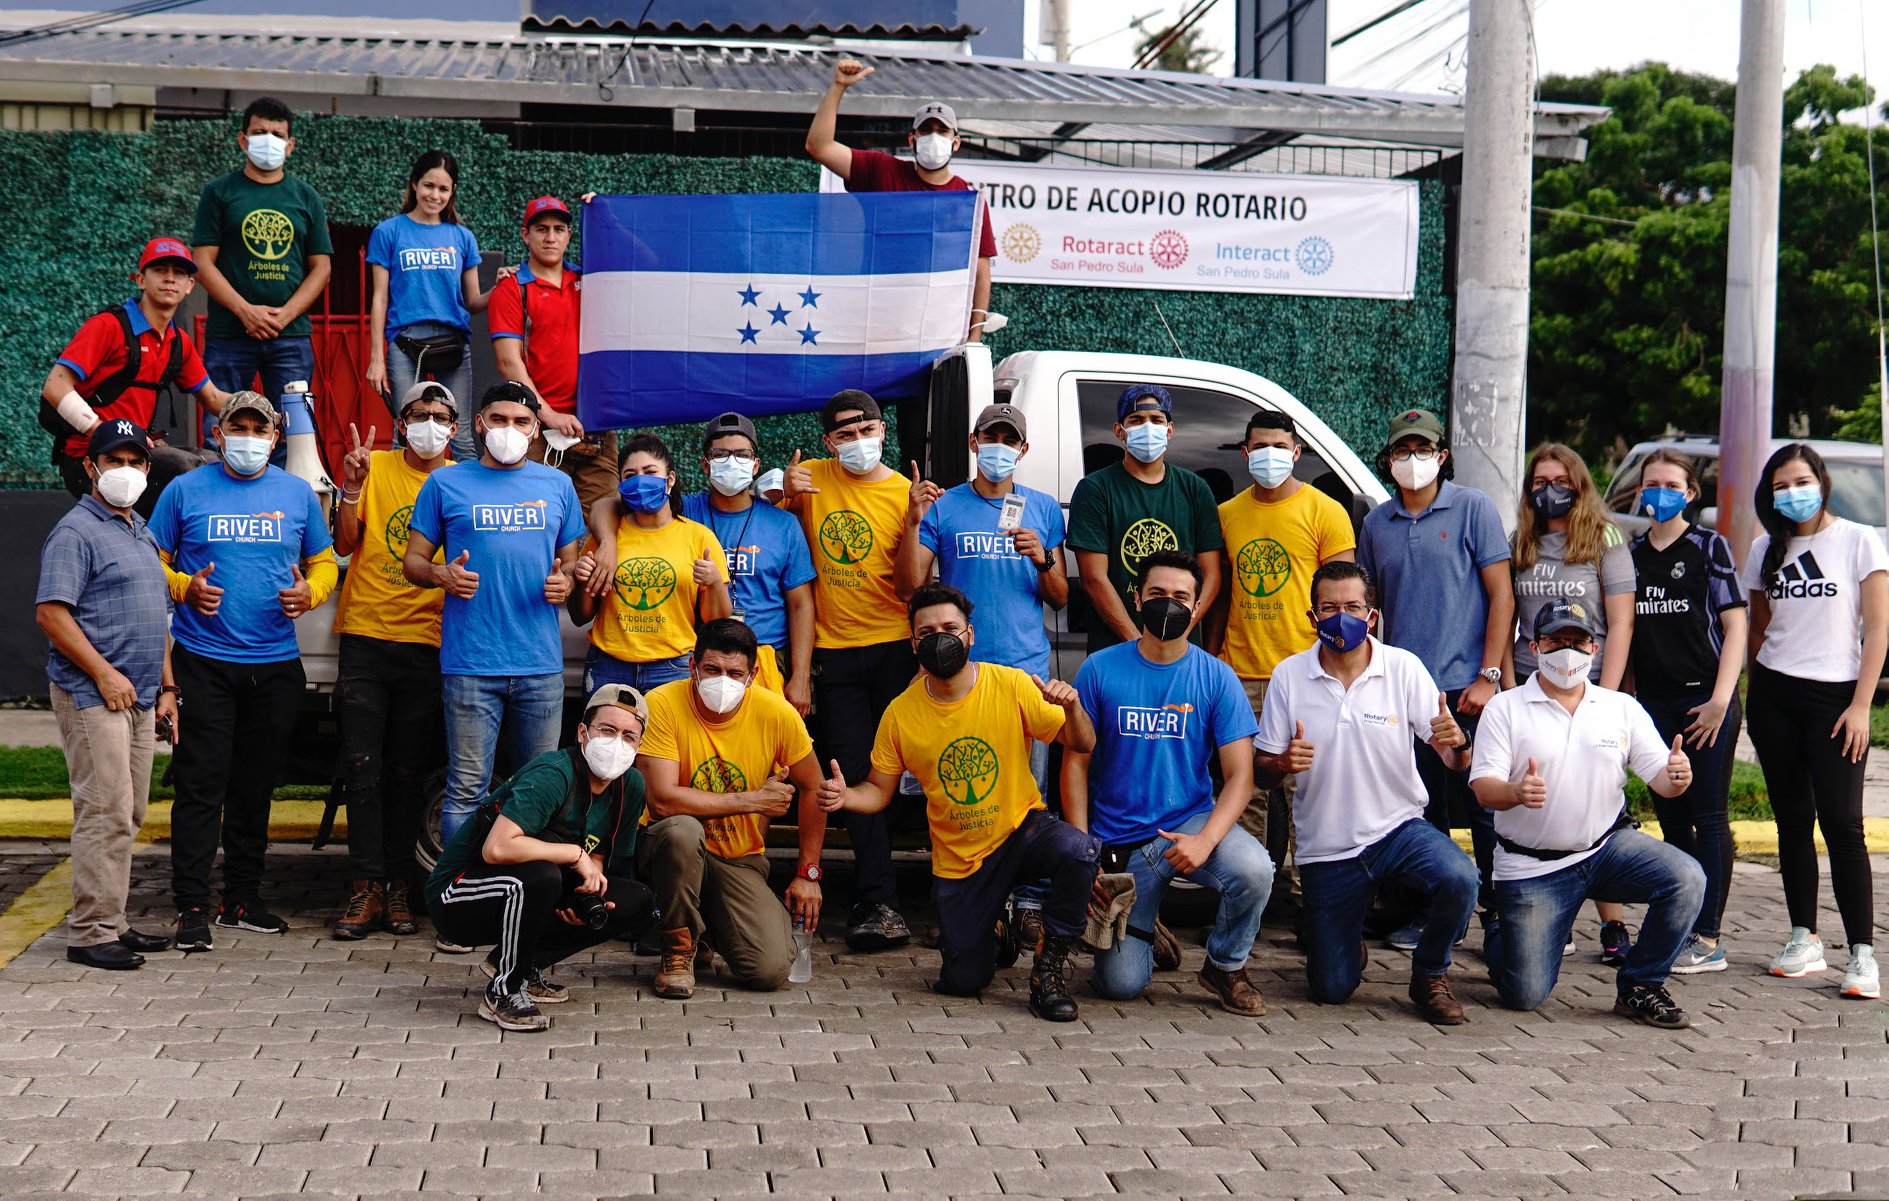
729 423
1421 422
247 402
428 389
110 435
623 697
1134 394
509 390
1563 615
844 402
936 111
1002 414
543 205
167 250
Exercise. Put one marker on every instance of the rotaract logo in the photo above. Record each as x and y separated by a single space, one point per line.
1168 249
1314 256
1021 243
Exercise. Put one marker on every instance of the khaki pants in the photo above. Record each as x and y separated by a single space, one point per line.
108 757
1271 803
727 898
592 466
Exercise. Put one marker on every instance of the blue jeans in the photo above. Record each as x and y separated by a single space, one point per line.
524 712
1031 894
1534 917
1239 870
601 669
234 363
1697 821
1338 892
403 372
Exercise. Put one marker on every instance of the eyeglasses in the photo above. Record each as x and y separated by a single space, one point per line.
1424 455
1355 608
435 418
722 456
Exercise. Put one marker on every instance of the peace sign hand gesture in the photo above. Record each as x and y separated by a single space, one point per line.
355 464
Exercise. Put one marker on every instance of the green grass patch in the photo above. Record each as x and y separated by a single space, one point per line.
1749 801
38 773
1879 725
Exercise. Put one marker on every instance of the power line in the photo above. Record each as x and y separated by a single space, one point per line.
52 29
1374 22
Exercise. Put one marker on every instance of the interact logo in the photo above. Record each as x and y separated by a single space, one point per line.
1314 256
1168 249
509 519
244 527
1169 721
1021 243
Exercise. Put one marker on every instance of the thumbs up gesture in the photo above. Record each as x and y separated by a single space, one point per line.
1532 790
296 598
705 573
203 596
1445 734
798 480
456 579
1678 766
1298 751
557 586
832 793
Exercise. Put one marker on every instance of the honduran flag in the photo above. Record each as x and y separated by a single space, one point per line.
695 305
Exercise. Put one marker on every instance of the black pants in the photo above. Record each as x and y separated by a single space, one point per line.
1697 821
852 687
1452 803
1812 784
387 701
514 906
236 722
1043 846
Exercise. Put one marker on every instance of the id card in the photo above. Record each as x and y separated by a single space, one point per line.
1012 515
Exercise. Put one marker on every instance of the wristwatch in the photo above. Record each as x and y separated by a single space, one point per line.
1043 567
1492 674
810 873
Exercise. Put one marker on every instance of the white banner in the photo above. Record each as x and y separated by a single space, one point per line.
1206 231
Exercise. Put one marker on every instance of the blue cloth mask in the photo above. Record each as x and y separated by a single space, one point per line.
644 493
1147 442
1661 504
1343 631
995 461
1800 503
246 454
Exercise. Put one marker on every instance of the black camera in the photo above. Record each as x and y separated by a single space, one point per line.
590 907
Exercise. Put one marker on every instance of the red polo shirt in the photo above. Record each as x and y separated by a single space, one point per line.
98 350
877 171
550 335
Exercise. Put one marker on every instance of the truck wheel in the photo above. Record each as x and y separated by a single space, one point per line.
427 846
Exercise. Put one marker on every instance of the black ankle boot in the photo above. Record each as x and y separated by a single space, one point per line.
1049 992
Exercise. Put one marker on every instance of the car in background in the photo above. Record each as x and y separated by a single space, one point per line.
1856 481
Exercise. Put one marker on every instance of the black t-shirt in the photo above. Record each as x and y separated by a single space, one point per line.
1677 633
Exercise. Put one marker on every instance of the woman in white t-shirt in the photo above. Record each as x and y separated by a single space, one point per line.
1819 588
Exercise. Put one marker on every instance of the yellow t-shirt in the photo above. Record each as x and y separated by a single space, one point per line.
973 759
1272 551
648 613
853 530
376 600
732 754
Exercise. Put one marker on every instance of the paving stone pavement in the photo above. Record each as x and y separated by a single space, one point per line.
295 1064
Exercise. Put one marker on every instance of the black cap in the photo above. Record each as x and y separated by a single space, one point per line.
850 400
1563 615
730 423
110 435
509 390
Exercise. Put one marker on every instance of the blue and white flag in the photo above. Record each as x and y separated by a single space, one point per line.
695 305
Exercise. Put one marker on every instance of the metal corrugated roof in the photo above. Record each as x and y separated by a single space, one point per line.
744 77
591 26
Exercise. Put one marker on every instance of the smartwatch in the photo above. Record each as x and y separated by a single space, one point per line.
811 873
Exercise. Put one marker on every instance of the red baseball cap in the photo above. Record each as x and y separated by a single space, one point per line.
167 250
543 205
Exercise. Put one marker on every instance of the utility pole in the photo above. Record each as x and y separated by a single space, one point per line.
1056 27
1751 270
1489 394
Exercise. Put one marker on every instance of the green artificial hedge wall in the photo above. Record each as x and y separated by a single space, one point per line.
81 204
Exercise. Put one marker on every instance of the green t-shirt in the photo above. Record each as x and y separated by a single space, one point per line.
264 233
538 798
1112 513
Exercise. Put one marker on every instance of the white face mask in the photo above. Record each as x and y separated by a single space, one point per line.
731 477
1270 466
720 693
507 444
120 487
933 150
861 455
427 438
608 757
1566 667
267 151
1414 473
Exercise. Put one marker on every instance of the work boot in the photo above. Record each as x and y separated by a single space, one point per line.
675 979
367 905
399 909
1049 992
1233 990
1167 949
1432 995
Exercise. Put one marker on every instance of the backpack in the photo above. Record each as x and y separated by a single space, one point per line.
117 383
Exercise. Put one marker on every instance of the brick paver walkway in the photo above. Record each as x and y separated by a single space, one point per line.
294 1063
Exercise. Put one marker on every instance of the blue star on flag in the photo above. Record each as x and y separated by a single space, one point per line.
810 297
749 295
779 314
808 335
748 332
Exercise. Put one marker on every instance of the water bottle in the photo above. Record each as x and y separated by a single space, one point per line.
802 971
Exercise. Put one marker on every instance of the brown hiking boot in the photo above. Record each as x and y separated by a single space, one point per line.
367 902
1167 949
1030 931
1432 995
400 909
1233 990
675 979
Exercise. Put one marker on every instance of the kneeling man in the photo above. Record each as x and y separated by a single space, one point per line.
1342 716
965 729
714 759
1551 760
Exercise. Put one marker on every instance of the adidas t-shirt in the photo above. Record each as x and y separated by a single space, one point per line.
1816 627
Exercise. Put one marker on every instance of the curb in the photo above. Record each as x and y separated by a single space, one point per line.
35 820
1748 837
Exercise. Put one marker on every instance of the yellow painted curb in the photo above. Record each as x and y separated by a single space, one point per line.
53 819
1750 837
35 911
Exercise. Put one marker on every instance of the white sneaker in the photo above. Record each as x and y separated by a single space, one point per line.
448 947
1862 980
1802 955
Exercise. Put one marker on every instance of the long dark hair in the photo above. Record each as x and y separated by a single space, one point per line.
657 449
444 160
1780 527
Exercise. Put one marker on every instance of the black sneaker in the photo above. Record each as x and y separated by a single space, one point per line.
513 1011
1650 1005
876 928
249 915
537 988
1615 942
193 930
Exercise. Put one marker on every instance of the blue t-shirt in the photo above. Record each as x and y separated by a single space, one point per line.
978 560
1157 727
254 531
767 559
1428 570
512 521
425 267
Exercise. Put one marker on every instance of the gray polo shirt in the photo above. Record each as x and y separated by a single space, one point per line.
1428 570
106 570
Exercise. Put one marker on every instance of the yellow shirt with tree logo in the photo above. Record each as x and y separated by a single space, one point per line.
376 599
725 754
1272 551
853 530
648 612
972 757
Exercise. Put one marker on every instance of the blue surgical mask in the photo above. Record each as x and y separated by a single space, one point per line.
644 493
1147 442
1800 503
1661 504
861 455
995 461
246 454
1270 466
1343 631
731 477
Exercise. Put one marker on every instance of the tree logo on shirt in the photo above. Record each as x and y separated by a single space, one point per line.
396 535
1263 567
718 775
1143 539
846 536
268 234
644 584
967 768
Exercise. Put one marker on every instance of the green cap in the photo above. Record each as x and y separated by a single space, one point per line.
1415 421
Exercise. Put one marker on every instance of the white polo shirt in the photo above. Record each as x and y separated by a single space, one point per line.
1583 758
1363 783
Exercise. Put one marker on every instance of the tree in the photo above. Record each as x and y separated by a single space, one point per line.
1144 538
962 764
1266 564
718 775
645 583
846 536
396 534
1188 52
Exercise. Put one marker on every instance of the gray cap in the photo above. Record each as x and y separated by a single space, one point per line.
247 402
623 697
1002 414
937 110
729 423
427 389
